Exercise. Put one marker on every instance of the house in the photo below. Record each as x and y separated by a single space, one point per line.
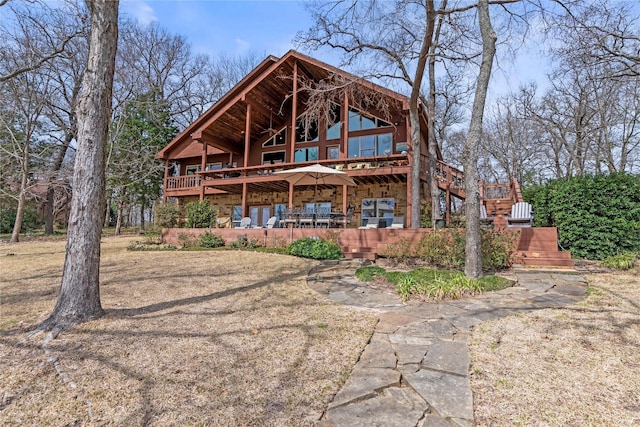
229 154
297 111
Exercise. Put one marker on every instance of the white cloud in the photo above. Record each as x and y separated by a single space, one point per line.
242 45
141 11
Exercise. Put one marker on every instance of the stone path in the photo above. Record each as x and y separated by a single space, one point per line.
415 369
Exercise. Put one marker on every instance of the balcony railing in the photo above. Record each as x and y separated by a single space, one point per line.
347 165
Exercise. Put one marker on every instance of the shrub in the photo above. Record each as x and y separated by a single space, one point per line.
211 240
167 215
623 261
187 240
308 247
142 246
399 252
597 216
442 248
201 214
243 242
497 248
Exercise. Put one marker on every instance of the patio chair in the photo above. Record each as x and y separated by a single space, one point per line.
486 221
290 218
245 222
323 218
306 218
271 222
343 220
370 223
521 215
398 222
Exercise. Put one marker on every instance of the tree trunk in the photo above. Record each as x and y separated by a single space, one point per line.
55 168
79 297
431 113
414 119
473 248
119 217
142 208
22 196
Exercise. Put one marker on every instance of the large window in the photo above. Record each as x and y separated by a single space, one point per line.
361 121
378 211
306 154
306 130
370 145
334 124
279 138
273 157
333 152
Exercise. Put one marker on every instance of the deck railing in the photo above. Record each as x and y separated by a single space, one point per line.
182 181
353 164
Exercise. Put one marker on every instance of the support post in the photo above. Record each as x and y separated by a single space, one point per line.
247 136
294 113
203 167
244 199
166 181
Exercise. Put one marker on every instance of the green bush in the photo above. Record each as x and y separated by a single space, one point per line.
442 248
597 216
498 247
244 243
623 261
30 221
308 247
187 240
211 240
167 215
201 214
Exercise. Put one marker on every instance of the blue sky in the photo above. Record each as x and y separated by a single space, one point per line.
232 27
268 27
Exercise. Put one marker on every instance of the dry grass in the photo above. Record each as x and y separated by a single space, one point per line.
190 338
576 366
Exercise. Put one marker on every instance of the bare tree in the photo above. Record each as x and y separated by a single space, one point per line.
79 298
30 23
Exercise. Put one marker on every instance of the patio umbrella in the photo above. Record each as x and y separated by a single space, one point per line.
314 175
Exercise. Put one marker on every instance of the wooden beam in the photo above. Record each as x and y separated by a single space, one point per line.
247 135
211 140
244 199
344 129
294 112
203 167
166 179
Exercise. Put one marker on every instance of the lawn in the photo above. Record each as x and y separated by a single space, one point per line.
190 338
574 366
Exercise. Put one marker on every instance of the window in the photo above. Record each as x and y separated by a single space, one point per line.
306 132
279 138
370 145
191 170
333 127
214 166
236 214
401 146
361 121
306 154
318 207
380 210
272 157
333 152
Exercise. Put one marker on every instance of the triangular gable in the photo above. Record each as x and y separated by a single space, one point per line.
238 93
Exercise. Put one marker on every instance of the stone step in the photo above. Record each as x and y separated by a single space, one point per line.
544 258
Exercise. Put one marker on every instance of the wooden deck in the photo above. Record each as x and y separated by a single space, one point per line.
537 246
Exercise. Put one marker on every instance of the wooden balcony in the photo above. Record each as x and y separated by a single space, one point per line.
363 170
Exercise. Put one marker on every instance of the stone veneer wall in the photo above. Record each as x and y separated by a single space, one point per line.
225 202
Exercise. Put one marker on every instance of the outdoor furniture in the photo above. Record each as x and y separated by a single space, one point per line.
486 221
271 222
245 223
340 219
369 224
290 218
305 218
323 218
521 215
398 222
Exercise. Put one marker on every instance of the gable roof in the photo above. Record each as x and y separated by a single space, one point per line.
268 89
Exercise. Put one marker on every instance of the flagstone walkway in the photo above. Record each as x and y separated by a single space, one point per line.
415 369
